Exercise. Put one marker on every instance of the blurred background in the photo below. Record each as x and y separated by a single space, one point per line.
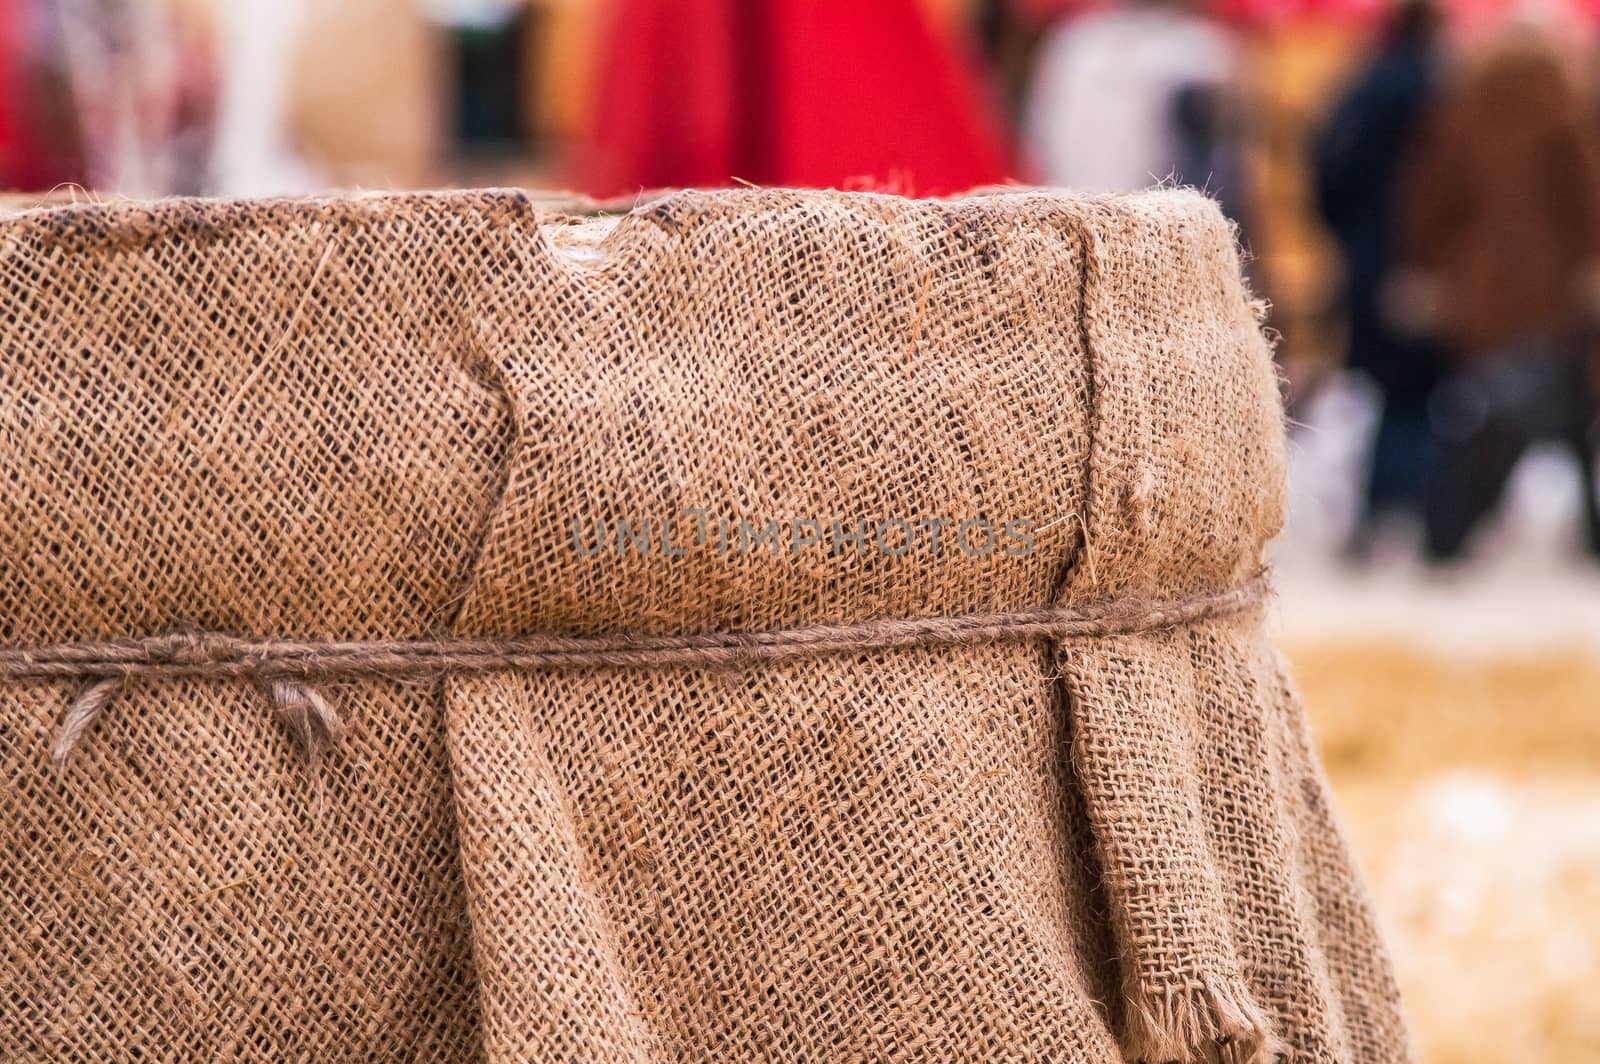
1417 189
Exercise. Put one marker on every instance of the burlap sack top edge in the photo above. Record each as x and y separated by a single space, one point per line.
1061 319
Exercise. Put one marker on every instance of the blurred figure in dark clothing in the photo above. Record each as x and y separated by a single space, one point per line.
1207 139
1360 156
1504 247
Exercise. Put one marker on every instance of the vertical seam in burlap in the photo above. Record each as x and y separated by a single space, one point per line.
479 360
494 375
1212 1018
455 721
1084 238
1055 676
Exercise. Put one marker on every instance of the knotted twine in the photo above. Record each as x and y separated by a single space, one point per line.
286 669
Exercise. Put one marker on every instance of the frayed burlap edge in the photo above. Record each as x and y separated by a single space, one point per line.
1204 1023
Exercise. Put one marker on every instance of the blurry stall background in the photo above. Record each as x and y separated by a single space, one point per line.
1459 710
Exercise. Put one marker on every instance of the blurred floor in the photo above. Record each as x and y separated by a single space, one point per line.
1488 887
1459 716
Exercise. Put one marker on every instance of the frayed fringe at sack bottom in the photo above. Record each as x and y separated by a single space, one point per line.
1209 1023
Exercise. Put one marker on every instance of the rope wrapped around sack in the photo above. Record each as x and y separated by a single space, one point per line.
284 668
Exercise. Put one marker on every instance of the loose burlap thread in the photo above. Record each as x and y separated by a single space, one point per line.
781 805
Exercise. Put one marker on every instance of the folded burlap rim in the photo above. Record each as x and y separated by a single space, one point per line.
284 668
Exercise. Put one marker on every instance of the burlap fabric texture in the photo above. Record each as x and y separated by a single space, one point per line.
238 440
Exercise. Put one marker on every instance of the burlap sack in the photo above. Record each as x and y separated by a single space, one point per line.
1046 801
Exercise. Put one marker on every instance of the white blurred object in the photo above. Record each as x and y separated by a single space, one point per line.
1097 117
1542 512
251 155
1329 454
472 14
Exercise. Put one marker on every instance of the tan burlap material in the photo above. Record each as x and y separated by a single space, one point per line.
267 450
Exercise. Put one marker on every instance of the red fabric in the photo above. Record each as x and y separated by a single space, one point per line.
1274 12
10 95
38 143
1247 11
823 93
664 114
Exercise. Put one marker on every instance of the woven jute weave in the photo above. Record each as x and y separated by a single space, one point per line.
467 626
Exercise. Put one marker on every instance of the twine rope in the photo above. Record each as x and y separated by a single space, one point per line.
215 656
285 668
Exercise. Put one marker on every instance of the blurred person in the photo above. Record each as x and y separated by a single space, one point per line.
141 84
1358 159
822 93
1503 211
1145 93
